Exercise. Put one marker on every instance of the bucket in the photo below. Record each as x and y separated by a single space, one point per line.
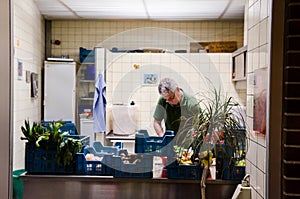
124 119
18 184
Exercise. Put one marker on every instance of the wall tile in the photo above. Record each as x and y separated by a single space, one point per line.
252 152
263 62
253 176
261 158
250 17
256 61
256 17
250 105
28 27
262 141
263 32
263 9
250 84
260 186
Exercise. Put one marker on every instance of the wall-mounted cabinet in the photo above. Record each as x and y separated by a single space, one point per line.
239 64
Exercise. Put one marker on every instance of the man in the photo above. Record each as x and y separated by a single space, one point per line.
175 107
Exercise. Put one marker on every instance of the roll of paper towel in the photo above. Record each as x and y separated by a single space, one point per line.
124 119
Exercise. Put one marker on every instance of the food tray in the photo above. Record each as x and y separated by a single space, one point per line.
154 145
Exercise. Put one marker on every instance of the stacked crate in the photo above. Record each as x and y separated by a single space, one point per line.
42 160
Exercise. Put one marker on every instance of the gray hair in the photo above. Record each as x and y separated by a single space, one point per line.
165 85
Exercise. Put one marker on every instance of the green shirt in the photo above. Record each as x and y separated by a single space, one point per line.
175 116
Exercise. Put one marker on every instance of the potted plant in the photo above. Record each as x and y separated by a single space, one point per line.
215 131
48 139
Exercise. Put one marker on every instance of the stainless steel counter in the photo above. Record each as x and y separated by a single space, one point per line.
106 187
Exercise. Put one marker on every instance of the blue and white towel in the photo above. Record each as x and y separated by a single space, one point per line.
99 105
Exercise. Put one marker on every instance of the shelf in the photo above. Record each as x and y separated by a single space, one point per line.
87 98
239 64
87 81
85 84
87 63
239 79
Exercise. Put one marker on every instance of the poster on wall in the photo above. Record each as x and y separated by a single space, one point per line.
260 100
34 85
20 70
28 76
150 79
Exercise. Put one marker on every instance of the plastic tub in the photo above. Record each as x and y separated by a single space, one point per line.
18 184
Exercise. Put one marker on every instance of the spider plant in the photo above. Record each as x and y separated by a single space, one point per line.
214 124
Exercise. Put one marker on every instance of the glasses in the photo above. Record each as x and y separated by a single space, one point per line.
171 97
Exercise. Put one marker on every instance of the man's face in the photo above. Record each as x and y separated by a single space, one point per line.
172 97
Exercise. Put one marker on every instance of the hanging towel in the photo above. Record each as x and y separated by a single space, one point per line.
99 105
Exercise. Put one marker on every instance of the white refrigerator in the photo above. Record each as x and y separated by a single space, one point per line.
60 91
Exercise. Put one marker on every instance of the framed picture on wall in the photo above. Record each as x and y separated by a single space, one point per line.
34 85
20 70
260 100
28 76
150 79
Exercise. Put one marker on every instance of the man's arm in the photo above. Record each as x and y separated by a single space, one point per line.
158 128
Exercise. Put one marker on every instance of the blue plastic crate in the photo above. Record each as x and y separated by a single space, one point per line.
94 167
226 170
238 172
154 145
43 159
181 171
39 160
142 169
67 127
86 55
85 139
234 173
98 146
70 128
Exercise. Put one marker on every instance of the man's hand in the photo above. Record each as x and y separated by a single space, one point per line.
160 134
158 128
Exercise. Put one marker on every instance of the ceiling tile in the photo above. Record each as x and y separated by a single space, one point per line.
143 9
53 5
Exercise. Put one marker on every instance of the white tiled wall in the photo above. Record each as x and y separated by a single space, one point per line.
133 34
29 50
169 36
195 73
258 44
